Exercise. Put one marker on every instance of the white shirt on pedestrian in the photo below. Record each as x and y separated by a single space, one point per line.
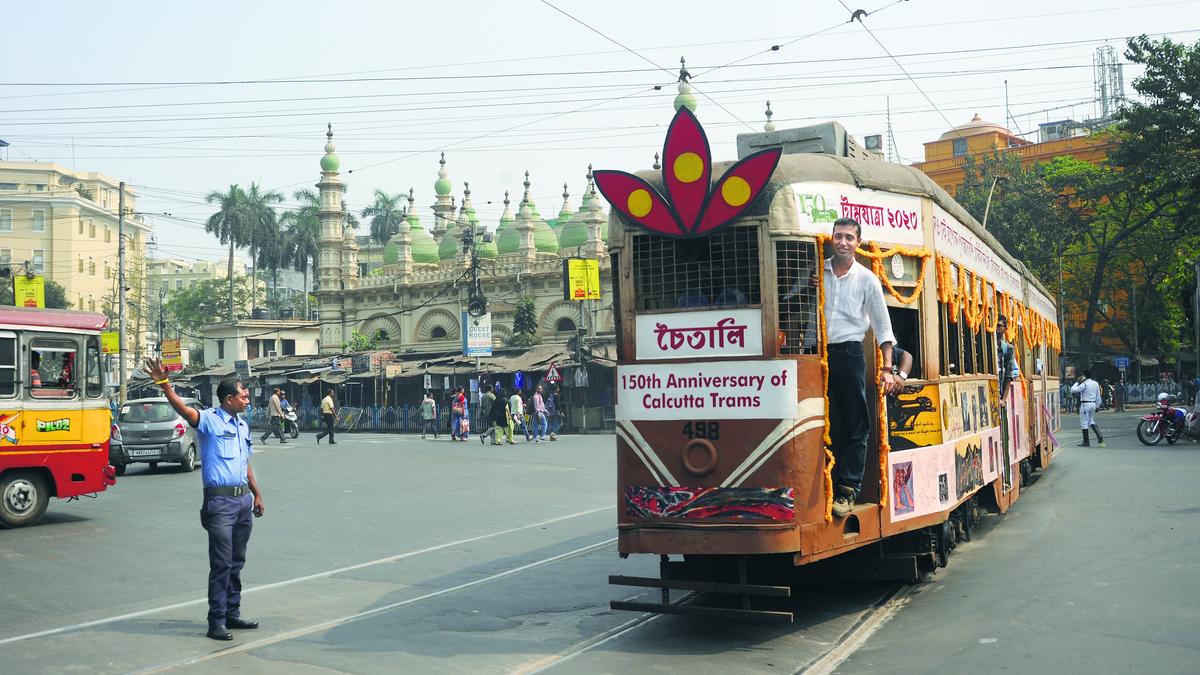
1088 390
853 303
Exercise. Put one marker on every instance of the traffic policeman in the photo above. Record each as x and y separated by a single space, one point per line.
231 495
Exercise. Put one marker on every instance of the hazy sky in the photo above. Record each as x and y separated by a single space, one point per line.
153 93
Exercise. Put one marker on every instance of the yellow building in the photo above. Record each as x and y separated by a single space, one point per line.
944 157
64 225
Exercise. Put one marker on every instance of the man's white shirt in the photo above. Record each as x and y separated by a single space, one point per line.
1088 390
853 303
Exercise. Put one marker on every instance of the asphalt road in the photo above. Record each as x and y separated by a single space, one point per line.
391 554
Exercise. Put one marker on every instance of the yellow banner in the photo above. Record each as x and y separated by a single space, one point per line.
110 342
29 292
169 347
581 279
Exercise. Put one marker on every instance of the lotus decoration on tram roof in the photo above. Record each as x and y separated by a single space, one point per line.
691 207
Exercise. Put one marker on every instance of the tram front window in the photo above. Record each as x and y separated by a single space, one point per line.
718 270
795 263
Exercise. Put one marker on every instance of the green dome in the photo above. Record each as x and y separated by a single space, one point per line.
330 163
443 186
391 253
544 238
448 246
573 234
685 98
488 249
424 248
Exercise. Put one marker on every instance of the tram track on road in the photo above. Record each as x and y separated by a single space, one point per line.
376 611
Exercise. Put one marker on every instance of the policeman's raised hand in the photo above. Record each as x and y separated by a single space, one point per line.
154 368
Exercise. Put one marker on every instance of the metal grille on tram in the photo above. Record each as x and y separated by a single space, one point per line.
718 270
795 263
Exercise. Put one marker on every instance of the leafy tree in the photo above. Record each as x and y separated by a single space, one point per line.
229 224
302 227
525 325
360 342
386 216
56 295
200 305
262 226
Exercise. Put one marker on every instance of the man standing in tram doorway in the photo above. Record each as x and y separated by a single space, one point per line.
1089 399
853 303
231 495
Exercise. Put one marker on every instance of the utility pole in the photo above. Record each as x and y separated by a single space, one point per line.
1137 346
1062 312
121 291
1196 316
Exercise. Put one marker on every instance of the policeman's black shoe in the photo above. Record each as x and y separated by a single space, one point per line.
219 632
333 442
238 623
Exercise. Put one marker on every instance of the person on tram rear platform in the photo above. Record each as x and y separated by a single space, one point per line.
902 364
853 303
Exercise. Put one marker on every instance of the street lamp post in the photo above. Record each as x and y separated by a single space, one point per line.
988 206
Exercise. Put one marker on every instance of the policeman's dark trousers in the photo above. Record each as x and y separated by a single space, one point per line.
228 521
849 419
327 418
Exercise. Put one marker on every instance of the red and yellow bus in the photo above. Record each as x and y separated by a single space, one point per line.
54 416
722 441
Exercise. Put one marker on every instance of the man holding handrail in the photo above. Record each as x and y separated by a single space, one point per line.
231 494
853 303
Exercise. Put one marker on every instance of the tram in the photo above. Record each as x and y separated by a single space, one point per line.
54 416
724 465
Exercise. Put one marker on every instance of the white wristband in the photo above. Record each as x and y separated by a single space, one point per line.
903 375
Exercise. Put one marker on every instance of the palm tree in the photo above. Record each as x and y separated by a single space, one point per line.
263 225
386 216
303 228
229 224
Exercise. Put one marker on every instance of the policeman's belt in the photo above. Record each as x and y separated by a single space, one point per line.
227 491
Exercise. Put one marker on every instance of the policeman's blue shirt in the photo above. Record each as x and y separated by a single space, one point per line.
225 448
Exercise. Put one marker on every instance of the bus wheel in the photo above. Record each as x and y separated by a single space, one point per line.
23 498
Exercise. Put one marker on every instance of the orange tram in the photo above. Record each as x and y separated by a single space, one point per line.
722 442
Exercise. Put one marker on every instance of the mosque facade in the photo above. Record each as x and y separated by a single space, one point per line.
414 301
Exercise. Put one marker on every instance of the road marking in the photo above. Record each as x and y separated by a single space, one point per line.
546 663
325 625
296 580
860 633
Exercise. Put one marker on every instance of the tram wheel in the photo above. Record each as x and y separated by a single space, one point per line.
942 539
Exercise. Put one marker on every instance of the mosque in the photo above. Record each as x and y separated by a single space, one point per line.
414 301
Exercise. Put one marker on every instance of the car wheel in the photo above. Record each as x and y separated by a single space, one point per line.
153 466
120 469
23 498
189 459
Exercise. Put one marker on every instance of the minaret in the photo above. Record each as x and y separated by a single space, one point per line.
565 213
524 225
594 218
403 241
769 126
466 223
685 97
329 258
443 208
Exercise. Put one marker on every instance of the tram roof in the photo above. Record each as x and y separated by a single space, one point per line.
874 175
30 317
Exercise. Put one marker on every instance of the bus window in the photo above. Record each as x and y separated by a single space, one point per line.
968 350
94 383
8 365
795 263
721 269
52 369
906 326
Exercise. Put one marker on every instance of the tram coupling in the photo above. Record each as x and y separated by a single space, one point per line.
699 580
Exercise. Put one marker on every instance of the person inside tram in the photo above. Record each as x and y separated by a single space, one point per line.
902 365
35 364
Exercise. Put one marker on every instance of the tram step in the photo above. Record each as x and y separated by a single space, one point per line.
710 612
703 586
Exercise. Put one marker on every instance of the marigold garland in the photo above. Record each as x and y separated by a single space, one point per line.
877 257
829 458
885 446
983 304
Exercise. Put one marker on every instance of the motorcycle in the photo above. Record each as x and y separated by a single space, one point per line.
291 425
1168 422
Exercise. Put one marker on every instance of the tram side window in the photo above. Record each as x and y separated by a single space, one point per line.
52 368
616 303
8 365
906 326
951 339
93 381
718 270
795 263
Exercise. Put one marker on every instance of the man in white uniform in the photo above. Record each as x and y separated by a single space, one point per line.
1089 398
